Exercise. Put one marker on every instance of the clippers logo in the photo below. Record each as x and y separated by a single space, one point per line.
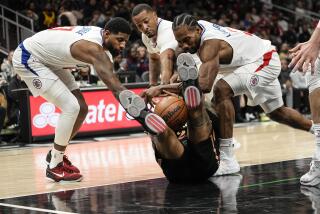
37 83
46 117
254 80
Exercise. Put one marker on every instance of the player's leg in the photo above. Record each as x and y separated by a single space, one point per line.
168 145
223 92
68 79
286 115
312 178
137 108
267 93
203 159
82 113
199 124
42 81
224 107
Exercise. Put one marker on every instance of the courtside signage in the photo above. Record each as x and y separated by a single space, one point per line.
104 113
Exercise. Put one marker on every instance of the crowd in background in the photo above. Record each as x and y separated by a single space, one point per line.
261 17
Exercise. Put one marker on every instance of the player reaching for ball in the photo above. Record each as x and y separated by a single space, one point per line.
183 160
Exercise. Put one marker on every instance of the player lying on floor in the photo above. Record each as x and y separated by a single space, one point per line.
192 158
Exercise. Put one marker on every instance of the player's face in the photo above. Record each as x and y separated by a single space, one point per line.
115 43
188 40
146 22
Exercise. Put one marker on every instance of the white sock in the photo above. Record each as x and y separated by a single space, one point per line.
316 128
311 130
226 146
56 158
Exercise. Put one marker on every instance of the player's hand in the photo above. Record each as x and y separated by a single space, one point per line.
304 55
174 78
151 92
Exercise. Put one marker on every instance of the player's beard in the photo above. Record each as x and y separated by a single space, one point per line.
195 48
114 52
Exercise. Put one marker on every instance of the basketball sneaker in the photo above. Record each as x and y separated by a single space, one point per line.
312 178
228 164
137 108
67 163
314 195
62 174
229 185
188 73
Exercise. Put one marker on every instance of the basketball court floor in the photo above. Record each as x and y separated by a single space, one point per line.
121 176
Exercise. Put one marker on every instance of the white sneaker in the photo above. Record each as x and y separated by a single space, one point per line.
228 183
228 186
312 178
314 195
236 144
228 165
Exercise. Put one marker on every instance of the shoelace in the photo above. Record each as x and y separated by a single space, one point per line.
67 160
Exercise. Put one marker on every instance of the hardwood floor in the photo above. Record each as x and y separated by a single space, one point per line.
118 161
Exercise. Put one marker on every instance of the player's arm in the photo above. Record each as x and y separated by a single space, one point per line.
160 89
166 58
154 68
209 55
94 54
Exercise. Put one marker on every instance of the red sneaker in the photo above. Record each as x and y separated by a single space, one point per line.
60 173
67 163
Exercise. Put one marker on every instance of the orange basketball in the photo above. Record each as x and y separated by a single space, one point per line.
173 110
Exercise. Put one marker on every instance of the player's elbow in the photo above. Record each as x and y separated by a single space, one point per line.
170 55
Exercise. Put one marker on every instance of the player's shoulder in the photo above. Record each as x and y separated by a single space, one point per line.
165 33
164 26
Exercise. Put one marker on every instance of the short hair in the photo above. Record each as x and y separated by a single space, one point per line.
184 19
141 7
118 25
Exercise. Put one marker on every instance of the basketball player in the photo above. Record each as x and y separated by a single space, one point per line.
158 37
191 159
249 64
306 55
41 61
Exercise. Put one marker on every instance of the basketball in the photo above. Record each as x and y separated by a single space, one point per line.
173 110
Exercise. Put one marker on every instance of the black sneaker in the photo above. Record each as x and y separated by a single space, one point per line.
188 73
136 107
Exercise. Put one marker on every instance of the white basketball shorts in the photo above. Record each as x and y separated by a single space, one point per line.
258 81
38 76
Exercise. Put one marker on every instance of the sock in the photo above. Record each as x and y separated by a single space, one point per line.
56 158
311 130
317 136
226 146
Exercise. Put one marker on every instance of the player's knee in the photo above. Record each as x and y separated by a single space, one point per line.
71 107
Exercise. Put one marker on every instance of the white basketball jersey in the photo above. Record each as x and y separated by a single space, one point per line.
164 39
52 47
247 48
